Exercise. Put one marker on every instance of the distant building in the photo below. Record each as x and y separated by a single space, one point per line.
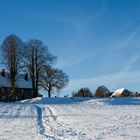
23 87
121 93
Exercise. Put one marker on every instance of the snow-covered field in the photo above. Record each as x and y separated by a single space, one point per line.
71 119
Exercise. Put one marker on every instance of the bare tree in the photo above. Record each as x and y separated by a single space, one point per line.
36 56
11 50
53 78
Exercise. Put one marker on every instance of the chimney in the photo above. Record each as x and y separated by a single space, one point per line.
26 76
3 72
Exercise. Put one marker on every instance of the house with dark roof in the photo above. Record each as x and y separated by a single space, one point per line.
23 88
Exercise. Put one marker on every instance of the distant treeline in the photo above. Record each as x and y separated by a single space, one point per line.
103 92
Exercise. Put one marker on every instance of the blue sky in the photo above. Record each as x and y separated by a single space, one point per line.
97 42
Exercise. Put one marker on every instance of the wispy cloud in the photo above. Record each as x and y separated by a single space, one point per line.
80 25
75 60
125 70
83 17
112 81
107 80
128 39
122 40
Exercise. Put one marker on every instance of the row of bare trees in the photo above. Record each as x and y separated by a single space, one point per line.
34 58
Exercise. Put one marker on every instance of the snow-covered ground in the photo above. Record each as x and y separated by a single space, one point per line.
71 119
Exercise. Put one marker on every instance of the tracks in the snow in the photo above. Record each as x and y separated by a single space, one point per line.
39 111
44 116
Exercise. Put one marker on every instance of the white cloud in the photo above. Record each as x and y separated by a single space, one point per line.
111 81
128 40
74 60
120 42
88 19
128 66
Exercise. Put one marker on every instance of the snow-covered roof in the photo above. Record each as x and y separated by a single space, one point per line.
118 92
20 81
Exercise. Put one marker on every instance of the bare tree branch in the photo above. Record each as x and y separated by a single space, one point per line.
11 50
36 56
53 78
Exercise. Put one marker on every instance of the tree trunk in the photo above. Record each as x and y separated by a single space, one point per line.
36 83
49 93
33 74
36 70
33 85
13 84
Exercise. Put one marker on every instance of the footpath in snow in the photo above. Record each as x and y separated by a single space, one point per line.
71 119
